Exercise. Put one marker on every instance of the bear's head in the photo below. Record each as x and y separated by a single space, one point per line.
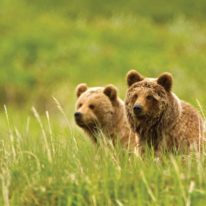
95 107
147 98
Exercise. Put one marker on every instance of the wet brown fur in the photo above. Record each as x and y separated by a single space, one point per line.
167 123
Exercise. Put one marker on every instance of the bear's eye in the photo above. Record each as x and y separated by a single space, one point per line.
135 96
80 105
150 97
91 106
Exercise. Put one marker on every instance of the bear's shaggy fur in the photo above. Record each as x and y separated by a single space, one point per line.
159 117
100 109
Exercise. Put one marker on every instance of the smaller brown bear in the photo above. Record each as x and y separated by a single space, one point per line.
100 109
159 117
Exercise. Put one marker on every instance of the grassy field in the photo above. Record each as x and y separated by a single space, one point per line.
46 50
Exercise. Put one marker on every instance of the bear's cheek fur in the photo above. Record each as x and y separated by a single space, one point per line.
131 99
129 108
104 114
156 108
88 116
153 108
130 115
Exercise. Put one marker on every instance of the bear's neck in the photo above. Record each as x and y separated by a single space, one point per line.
119 124
154 131
118 118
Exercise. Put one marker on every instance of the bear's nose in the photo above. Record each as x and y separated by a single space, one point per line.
78 115
138 109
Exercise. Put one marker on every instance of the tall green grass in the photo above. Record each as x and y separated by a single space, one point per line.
47 161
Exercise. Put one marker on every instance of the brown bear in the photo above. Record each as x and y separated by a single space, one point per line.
161 120
99 109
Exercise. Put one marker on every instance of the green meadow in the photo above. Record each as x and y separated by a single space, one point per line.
46 49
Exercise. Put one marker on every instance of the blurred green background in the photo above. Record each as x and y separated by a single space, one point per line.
48 47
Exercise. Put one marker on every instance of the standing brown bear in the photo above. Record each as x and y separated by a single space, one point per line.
99 109
161 120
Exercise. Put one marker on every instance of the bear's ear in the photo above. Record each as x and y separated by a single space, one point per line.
81 88
133 77
111 92
165 80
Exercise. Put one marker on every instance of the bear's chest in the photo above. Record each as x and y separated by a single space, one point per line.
153 137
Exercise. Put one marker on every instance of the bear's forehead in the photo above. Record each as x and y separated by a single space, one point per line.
92 94
147 86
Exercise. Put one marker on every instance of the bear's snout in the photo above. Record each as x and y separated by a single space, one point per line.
78 116
138 109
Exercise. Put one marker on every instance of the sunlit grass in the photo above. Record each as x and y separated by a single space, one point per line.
48 162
